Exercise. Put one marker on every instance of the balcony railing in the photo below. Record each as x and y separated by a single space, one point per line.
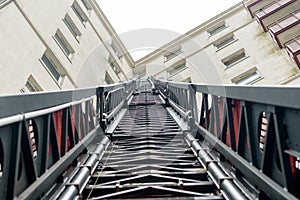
286 28
274 11
254 5
293 49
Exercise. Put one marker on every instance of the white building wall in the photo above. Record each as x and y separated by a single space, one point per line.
205 61
20 53
27 31
28 28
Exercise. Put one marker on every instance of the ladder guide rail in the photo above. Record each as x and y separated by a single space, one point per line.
43 134
252 127
124 141
150 157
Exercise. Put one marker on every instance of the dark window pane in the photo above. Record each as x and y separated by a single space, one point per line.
51 67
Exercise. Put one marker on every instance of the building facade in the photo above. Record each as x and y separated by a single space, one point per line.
52 45
235 46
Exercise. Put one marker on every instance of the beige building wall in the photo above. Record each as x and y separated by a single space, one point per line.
207 61
29 29
230 48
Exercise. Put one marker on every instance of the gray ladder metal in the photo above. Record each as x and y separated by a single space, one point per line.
149 158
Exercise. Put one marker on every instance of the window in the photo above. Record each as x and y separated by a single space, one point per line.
108 79
79 12
216 29
49 63
247 78
224 41
273 6
63 44
274 11
288 20
187 80
117 52
114 67
31 85
172 54
178 68
87 5
285 28
293 49
252 6
234 58
72 27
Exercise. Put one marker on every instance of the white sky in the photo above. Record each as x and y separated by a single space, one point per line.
145 25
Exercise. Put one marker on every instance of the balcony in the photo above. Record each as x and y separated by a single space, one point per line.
293 49
286 28
275 11
254 5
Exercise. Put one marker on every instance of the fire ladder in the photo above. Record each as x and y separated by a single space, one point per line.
151 139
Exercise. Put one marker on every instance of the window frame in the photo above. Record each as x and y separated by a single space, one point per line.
79 13
217 29
72 27
177 68
246 77
234 58
173 53
63 44
32 84
107 79
293 50
271 8
284 25
114 66
187 80
116 51
87 5
224 42
55 66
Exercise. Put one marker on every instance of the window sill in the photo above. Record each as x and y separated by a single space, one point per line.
177 72
212 35
255 81
240 60
89 11
77 38
69 56
176 55
226 45
4 3
252 82
58 82
84 23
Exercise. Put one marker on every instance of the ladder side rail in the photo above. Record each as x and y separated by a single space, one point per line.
42 134
252 127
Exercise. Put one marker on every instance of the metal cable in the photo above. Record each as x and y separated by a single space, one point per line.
113 145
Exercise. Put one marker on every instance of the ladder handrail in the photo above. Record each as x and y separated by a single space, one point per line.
253 127
12 104
42 134
289 94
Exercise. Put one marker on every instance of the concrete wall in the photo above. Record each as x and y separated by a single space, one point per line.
20 53
205 60
28 29
27 32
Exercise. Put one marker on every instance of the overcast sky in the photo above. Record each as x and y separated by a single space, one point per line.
145 25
